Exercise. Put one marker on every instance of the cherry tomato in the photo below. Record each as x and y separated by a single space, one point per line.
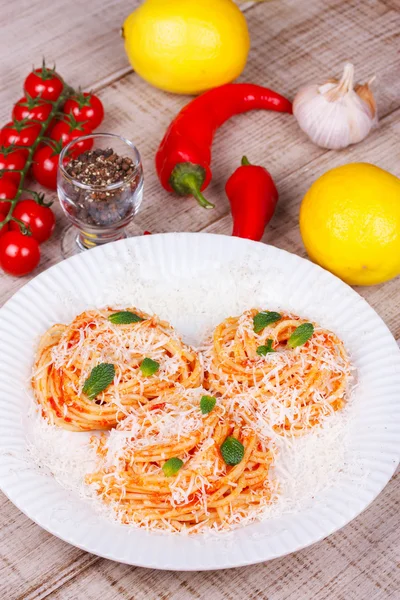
5 227
85 107
15 159
31 108
19 254
39 219
44 167
8 190
19 134
66 131
45 83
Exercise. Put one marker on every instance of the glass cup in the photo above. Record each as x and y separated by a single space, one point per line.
99 213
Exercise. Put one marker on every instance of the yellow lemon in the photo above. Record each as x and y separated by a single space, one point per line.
187 46
350 223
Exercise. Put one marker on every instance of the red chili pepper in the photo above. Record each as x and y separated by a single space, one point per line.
253 197
184 156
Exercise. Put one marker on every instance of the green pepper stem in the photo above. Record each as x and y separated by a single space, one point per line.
186 179
190 181
245 161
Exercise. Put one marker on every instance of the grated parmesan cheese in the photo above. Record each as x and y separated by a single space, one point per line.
101 341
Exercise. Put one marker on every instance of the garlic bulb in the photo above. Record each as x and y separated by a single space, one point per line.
336 114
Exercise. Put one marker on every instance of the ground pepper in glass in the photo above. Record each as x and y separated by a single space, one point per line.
100 190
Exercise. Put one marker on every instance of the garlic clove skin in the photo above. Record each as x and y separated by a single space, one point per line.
335 115
364 92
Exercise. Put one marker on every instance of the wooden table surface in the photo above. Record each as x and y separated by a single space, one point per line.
293 42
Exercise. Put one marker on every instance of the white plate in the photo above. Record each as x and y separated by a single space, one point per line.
196 280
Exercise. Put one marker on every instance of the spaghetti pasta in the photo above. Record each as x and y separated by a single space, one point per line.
205 492
67 355
288 390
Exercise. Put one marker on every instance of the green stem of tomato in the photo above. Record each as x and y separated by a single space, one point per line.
56 105
25 229
2 171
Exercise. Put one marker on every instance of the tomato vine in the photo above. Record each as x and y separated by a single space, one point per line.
56 106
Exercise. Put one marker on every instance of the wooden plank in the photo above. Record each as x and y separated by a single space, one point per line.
31 559
293 41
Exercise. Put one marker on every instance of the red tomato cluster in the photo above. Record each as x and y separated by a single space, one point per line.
81 115
31 222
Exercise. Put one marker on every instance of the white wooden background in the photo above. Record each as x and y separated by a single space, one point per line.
293 42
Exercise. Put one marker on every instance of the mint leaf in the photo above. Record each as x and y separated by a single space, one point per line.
232 451
263 319
301 335
98 380
264 350
207 403
124 317
149 367
172 466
